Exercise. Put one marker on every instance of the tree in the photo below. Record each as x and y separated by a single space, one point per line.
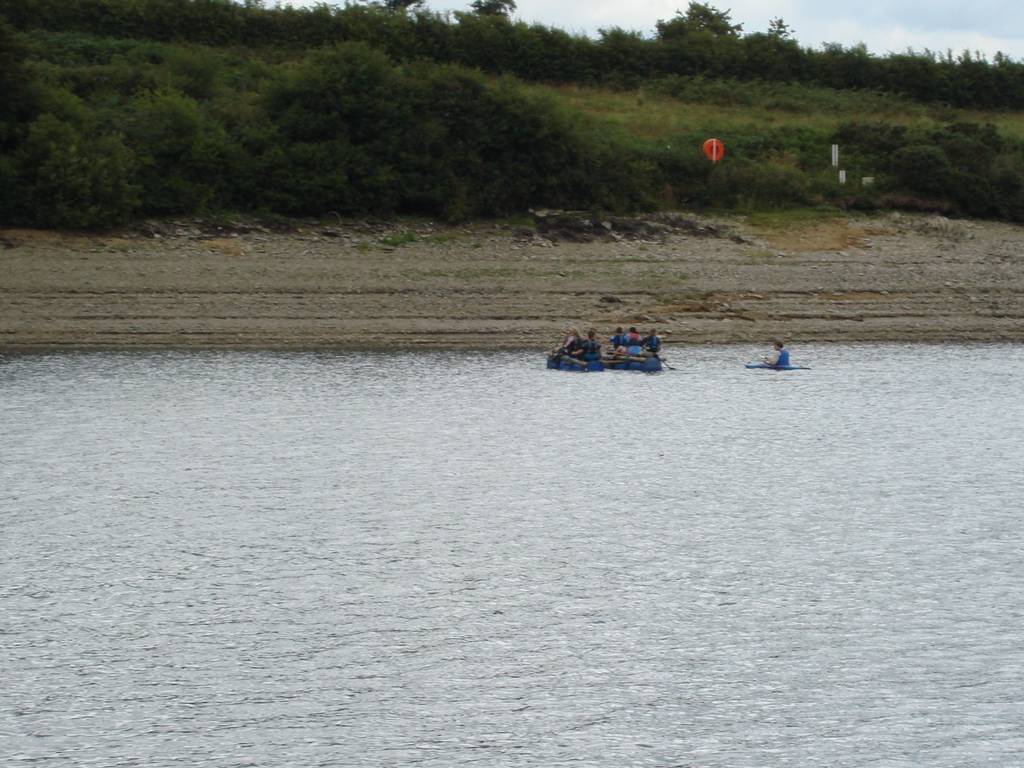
699 18
778 28
342 116
400 6
493 7
184 156
17 104
70 177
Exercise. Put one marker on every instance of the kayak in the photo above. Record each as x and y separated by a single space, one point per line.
778 367
650 365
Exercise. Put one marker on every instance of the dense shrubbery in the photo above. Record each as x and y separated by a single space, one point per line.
102 120
968 165
701 41
159 130
66 177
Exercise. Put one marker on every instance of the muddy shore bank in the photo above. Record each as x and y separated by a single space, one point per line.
363 284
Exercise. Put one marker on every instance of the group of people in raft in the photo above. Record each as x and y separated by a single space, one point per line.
625 345
630 345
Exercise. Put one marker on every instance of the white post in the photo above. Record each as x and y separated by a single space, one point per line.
842 177
835 155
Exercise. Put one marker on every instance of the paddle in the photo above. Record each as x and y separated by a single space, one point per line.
664 362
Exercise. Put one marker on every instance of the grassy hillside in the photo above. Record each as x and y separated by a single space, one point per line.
663 109
99 129
778 139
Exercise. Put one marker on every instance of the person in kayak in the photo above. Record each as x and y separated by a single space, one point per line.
618 338
779 356
652 343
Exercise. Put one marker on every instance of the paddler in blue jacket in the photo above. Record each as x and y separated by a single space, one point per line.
633 342
652 343
779 357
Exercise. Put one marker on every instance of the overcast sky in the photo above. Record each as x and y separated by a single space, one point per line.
984 25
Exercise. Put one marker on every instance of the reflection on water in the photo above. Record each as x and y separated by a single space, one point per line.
449 559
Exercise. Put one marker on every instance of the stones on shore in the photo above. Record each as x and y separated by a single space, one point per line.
551 227
581 227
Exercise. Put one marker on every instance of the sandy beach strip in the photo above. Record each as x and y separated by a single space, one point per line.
485 285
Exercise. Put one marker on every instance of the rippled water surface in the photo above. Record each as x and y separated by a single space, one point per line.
465 559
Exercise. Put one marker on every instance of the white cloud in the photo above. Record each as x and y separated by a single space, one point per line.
886 27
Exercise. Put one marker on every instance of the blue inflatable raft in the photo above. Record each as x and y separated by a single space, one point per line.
777 367
649 365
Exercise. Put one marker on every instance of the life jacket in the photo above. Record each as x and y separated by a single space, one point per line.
653 343
617 340
633 338
570 345
590 346
783 360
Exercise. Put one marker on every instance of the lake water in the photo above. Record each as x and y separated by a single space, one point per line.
257 559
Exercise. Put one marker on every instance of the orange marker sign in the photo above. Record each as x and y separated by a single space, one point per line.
714 149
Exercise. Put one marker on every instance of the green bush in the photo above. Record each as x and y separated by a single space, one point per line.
18 99
1008 186
69 179
746 184
342 117
362 134
185 159
923 169
8 191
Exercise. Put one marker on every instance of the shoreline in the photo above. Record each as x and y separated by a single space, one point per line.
143 349
366 286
